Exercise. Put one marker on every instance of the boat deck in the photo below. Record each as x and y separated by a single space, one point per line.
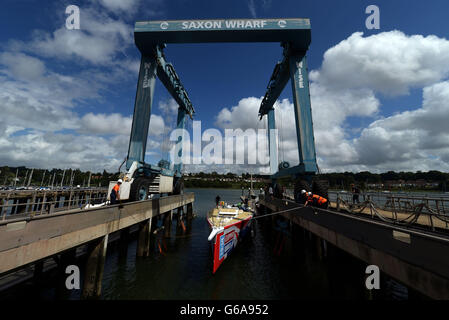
218 216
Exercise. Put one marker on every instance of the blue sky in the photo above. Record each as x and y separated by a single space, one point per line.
79 86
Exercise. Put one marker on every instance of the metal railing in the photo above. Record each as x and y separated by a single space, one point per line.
431 209
403 209
19 204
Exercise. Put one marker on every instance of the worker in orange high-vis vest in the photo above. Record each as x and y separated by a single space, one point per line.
316 201
115 195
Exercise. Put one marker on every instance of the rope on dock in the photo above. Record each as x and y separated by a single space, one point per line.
277 212
300 206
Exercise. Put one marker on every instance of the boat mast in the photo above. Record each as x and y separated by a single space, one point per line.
251 188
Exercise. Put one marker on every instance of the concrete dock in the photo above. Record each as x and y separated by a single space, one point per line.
417 258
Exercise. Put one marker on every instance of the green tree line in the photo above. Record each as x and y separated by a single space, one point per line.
364 178
336 180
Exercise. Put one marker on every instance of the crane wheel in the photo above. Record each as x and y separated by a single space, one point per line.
277 191
301 185
179 187
320 189
139 189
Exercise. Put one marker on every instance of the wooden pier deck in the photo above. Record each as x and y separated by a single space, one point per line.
28 240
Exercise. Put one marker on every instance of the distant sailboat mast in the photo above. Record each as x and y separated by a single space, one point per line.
30 177
43 177
63 175
251 189
88 182
25 179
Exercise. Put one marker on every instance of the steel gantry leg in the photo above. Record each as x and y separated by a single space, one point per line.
272 142
142 110
303 112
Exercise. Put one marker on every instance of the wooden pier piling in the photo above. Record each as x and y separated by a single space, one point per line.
167 224
143 243
95 268
189 211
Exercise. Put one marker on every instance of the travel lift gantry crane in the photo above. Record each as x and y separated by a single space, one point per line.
293 67
151 37
142 179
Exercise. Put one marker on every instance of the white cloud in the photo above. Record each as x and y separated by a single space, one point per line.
22 66
105 124
132 65
67 44
232 118
417 139
33 109
352 73
330 109
157 125
121 5
389 62
43 121
329 112
50 150
169 107
36 103
39 149
20 107
101 40
41 99
128 8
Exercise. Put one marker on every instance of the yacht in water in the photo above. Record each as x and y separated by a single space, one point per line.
229 224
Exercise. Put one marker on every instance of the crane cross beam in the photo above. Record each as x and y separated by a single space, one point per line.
168 76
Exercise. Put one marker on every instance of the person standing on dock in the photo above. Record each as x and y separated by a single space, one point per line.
115 195
355 194
217 200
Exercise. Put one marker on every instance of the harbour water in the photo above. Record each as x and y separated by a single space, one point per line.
182 268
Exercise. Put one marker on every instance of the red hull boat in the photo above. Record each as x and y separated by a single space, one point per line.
228 227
